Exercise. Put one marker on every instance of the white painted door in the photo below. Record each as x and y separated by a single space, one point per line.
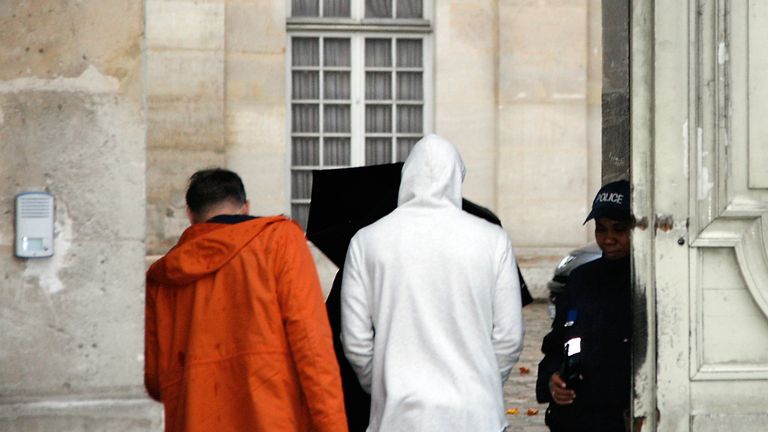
700 177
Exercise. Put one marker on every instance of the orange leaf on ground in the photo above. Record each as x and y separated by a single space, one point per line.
524 370
532 411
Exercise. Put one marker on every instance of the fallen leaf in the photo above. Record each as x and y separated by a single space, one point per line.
524 370
512 411
532 411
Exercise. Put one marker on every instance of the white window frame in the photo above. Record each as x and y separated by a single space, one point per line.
357 29
357 20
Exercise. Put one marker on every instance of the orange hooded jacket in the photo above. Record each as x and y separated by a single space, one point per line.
237 336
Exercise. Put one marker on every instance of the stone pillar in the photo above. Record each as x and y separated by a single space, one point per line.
465 52
616 143
215 97
185 108
548 128
256 117
71 124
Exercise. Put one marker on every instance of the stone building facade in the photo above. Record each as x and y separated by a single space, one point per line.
110 106
516 85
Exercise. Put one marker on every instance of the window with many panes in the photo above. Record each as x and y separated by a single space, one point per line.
359 86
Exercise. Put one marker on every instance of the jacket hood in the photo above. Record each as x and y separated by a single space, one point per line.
204 248
432 174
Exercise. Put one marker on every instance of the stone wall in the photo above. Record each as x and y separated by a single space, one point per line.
465 54
256 130
71 124
185 107
516 88
548 127
215 97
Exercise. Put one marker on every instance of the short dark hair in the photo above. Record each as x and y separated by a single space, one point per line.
210 187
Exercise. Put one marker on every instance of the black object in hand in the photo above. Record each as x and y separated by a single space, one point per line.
570 370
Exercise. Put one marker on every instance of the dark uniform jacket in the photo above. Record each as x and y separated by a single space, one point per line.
356 401
597 302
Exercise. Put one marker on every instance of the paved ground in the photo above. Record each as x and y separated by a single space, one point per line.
520 389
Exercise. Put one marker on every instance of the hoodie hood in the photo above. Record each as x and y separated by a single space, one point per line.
432 174
204 248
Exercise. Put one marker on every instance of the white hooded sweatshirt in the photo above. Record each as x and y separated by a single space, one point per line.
431 313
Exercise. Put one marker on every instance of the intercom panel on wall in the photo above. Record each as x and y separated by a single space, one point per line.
34 225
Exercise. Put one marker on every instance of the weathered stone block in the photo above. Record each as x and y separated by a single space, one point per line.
256 27
616 136
185 123
50 38
543 52
125 415
258 145
185 25
186 73
465 44
77 137
615 46
50 307
544 180
256 78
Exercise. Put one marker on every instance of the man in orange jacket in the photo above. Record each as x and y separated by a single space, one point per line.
237 337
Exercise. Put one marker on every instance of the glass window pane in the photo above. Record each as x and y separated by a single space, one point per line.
301 184
409 52
305 8
378 52
409 86
378 86
378 118
378 151
336 52
378 8
305 151
336 118
305 52
404 147
336 85
336 8
300 213
408 9
409 118
337 152
305 85
306 118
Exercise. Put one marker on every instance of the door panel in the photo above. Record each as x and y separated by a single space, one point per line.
729 264
757 18
701 181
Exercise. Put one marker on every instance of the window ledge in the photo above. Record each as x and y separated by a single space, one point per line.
365 25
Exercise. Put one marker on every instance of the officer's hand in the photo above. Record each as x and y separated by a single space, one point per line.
561 395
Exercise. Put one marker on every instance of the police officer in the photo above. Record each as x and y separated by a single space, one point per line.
585 373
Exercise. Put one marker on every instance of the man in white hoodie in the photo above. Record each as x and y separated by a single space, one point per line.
431 313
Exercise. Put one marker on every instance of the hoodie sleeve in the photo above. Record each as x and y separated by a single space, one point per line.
357 329
308 332
507 335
